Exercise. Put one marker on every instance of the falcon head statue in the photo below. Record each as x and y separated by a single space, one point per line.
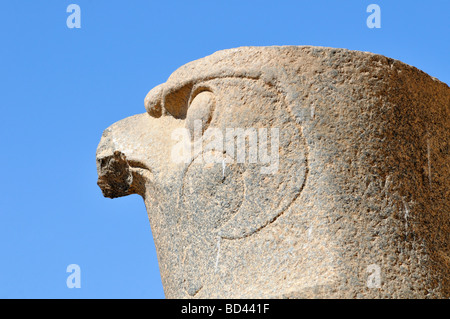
250 162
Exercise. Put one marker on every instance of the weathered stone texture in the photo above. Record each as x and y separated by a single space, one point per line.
363 176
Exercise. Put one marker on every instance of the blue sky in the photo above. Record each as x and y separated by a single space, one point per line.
61 87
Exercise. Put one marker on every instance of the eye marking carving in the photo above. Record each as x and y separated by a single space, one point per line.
201 107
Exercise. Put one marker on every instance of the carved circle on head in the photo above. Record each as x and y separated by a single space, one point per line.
222 187
268 186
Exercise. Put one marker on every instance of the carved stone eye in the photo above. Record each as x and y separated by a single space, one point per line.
200 109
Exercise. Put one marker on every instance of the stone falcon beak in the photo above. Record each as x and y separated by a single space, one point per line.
131 152
120 172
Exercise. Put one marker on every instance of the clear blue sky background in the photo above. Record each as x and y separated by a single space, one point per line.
61 87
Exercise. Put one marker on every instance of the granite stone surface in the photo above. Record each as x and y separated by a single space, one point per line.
291 172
